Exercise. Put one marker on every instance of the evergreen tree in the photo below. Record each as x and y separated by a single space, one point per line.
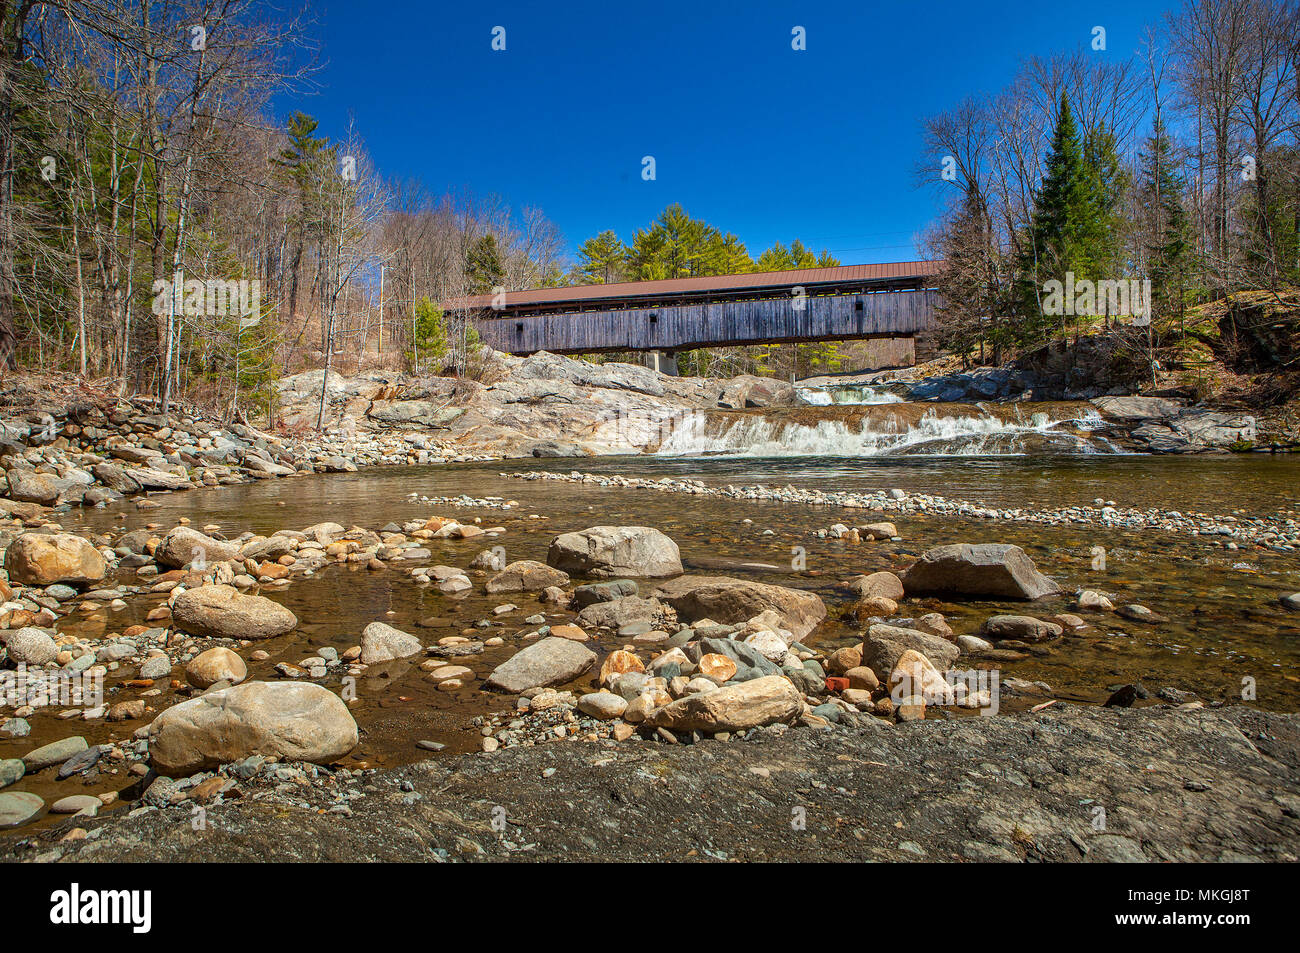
603 259
1167 240
483 265
1069 232
430 334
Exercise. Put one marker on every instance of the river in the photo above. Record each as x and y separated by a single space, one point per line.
1225 624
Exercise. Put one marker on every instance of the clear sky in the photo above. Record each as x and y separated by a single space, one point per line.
747 133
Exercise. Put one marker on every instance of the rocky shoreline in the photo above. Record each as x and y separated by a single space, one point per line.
73 445
1069 784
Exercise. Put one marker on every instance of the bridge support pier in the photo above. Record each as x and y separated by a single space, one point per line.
665 362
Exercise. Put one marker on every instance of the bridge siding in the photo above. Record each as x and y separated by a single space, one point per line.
764 321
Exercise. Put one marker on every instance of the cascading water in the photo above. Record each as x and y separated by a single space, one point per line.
846 395
942 430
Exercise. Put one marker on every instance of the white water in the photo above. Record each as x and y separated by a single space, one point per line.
854 394
984 435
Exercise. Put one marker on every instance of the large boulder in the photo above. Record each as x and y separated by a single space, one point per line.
612 551
727 600
295 721
552 661
222 612
381 642
760 701
183 546
42 559
526 575
984 569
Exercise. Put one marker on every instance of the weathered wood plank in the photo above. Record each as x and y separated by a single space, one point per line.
715 324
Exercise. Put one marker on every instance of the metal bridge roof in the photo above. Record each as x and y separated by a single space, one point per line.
716 284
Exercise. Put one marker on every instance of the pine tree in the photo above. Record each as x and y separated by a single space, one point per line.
483 265
1167 242
603 259
1070 231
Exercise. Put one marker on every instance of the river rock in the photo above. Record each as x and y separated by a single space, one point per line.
156 666
183 546
750 663
973 644
19 807
1291 602
217 664
324 533
42 559
550 661
727 600
56 752
885 645
28 486
86 804
616 551
1089 599
223 612
983 569
913 675
30 645
603 705
717 667
11 771
295 721
619 663
876 585
1023 628
732 707
381 642
629 610
526 575
592 593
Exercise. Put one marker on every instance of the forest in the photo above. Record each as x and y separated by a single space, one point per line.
147 186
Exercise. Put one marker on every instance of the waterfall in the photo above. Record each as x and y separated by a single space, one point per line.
846 395
954 430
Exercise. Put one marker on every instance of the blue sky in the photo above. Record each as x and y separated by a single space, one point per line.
758 139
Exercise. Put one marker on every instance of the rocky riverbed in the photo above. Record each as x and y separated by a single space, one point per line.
1069 784
158 662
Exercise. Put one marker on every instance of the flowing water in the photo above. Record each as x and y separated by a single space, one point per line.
1225 623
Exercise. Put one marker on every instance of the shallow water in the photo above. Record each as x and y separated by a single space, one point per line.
1225 623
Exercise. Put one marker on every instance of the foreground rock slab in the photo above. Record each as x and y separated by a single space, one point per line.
981 569
297 721
1022 805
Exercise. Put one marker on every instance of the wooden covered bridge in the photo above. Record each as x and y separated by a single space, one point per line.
892 300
